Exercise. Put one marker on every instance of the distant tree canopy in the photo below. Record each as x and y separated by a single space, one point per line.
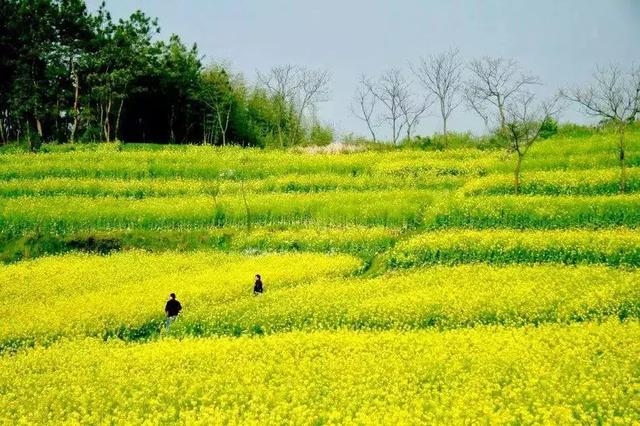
70 75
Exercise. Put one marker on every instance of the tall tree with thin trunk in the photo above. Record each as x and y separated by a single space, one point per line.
313 88
364 104
412 110
282 83
391 90
125 51
613 97
493 82
523 123
217 94
296 90
441 75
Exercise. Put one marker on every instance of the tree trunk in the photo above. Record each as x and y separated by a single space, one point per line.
279 118
444 131
19 130
292 132
516 175
623 169
280 134
36 107
172 136
101 108
107 122
39 126
501 113
204 128
28 132
117 129
57 120
3 137
444 121
373 134
76 113
223 128
296 135
393 133
226 124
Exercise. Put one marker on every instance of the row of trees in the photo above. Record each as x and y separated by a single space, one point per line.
492 88
500 93
69 75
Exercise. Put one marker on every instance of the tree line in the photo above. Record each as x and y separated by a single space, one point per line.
70 75
499 92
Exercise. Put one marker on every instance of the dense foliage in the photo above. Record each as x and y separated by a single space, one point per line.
70 75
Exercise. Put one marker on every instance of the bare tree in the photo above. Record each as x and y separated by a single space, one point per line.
493 82
523 122
392 90
364 104
281 82
412 110
297 89
441 75
313 88
613 97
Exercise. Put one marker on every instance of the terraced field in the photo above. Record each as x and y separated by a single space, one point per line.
402 286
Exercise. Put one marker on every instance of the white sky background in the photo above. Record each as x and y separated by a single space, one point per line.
558 40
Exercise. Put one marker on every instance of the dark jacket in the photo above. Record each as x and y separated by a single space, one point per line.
257 287
173 308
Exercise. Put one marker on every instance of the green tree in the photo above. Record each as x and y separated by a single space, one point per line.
179 75
217 94
125 51
41 42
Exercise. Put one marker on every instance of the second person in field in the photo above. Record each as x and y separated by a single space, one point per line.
258 288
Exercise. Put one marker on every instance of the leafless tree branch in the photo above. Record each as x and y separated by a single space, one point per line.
493 82
441 75
611 96
297 88
614 97
524 120
364 104
392 91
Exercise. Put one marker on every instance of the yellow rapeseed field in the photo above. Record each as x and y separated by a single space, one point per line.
79 295
441 297
586 373
403 286
572 246
123 294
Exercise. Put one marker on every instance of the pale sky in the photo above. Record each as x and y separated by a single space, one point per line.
558 40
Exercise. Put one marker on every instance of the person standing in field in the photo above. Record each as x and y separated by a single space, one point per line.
257 286
172 309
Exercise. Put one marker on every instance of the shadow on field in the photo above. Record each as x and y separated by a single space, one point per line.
32 245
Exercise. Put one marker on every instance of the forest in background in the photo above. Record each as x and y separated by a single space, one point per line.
71 75
68 75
